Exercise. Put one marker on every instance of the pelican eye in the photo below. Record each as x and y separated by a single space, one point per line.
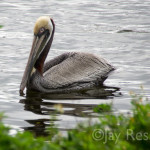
41 31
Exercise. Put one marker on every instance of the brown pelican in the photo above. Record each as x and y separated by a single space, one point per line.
65 73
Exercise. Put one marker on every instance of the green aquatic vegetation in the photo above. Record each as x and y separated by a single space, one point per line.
103 108
111 132
1 26
24 141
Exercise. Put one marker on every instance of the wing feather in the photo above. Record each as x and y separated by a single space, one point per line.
71 68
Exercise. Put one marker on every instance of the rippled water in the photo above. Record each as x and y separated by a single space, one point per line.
118 30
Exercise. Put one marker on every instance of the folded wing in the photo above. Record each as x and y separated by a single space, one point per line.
72 69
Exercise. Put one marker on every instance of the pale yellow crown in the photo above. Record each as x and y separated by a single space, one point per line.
43 21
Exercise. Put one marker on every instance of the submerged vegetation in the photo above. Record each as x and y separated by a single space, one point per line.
130 131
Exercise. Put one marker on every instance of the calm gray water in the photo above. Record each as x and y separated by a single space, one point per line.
118 30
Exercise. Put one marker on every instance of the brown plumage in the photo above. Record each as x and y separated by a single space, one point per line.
65 73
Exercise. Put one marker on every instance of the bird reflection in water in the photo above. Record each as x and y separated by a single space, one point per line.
43 104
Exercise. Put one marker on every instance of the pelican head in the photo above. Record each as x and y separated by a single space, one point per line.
43 37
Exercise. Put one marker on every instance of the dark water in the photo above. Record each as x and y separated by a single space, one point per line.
117 30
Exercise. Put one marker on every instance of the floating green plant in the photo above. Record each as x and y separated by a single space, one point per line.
103 108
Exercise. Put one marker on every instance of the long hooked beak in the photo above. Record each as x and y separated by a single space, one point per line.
37 47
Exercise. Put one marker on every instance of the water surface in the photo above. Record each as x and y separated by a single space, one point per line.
117 30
